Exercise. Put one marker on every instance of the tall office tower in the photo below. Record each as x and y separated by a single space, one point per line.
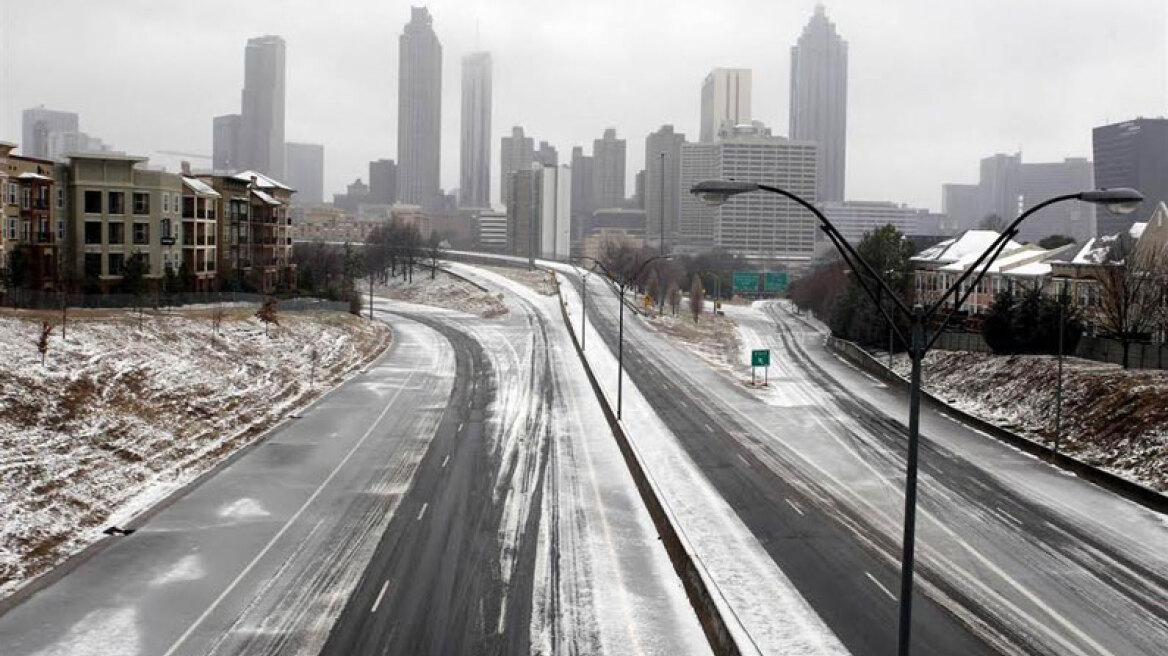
819 99
608 171
1040 181
475 146
1000 176
546 155
383 182
725 97
523 215
419 116
262 124
225 143
582 207
1131 154
38 123
555 207
695 228
638 199
662 186
765 226
304 172
515 154
961 203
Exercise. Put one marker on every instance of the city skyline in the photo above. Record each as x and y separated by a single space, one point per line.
893 110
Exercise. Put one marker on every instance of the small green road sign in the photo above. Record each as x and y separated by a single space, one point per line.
760 358
775 282
745 282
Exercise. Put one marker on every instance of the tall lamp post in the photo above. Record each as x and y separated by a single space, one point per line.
623 284
717 192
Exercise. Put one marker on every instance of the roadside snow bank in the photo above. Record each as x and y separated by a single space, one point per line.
444 291
118 417
1111 418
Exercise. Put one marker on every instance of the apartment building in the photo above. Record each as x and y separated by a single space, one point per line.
201 208
255 232
30 233
114 209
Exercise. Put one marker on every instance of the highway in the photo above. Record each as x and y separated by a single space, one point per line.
463 495
1014 556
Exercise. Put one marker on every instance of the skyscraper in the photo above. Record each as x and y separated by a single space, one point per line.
819 99
582 207
261 129
475 166
225 143
546 155
419 117
608 171
38 124
1131 154
304 172
765 226
725 97
662 185
515 154
383 182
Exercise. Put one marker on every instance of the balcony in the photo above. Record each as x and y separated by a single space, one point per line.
168 241
44 237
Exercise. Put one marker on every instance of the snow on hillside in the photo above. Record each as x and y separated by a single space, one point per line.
1112 418
713 337
118 417
444 290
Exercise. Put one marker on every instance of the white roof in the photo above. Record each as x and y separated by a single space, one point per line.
33 176
262 181
970 242
1095 250
1004 262
1137 229
1030 270
265 198
200 188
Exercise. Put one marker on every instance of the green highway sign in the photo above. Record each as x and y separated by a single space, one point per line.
745 281
775 282
760 358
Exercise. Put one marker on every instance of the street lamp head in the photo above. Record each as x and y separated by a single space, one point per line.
1121 200
717 192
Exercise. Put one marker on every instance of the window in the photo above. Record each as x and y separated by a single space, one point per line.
11 187
93 232
60 198
141 233
117 202
115 264
93 202
60 229
142 202
117 233
93 264
166 203
165 228
12 228
188 207
26 198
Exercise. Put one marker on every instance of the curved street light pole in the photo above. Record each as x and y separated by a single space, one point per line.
623 284
716 192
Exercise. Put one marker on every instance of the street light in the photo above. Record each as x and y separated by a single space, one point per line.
620 341
717 192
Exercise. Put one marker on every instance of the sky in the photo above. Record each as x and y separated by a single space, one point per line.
934 85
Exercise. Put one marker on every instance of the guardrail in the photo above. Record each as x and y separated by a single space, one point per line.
1131 490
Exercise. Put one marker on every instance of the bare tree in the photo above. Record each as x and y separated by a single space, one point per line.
1129 285
217 313
674 296
267 314
653 287
696 297
43 341
434 252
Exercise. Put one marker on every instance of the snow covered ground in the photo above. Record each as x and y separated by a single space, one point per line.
118 417
713 337
444 290
1114 419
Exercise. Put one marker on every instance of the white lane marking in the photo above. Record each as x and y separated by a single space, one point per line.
794 506
709 428
423 510
459 427
881 586
283 529
744 460
444 461
683 403
377 602
1008 516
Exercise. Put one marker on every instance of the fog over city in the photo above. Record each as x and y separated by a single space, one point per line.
933 86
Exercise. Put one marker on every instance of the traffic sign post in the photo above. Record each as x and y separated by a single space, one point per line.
760 358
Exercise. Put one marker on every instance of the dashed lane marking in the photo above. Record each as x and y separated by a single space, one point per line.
423 510
881 586
794 506
377 602
444 461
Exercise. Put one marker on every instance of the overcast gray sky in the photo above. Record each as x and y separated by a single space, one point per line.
934 84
